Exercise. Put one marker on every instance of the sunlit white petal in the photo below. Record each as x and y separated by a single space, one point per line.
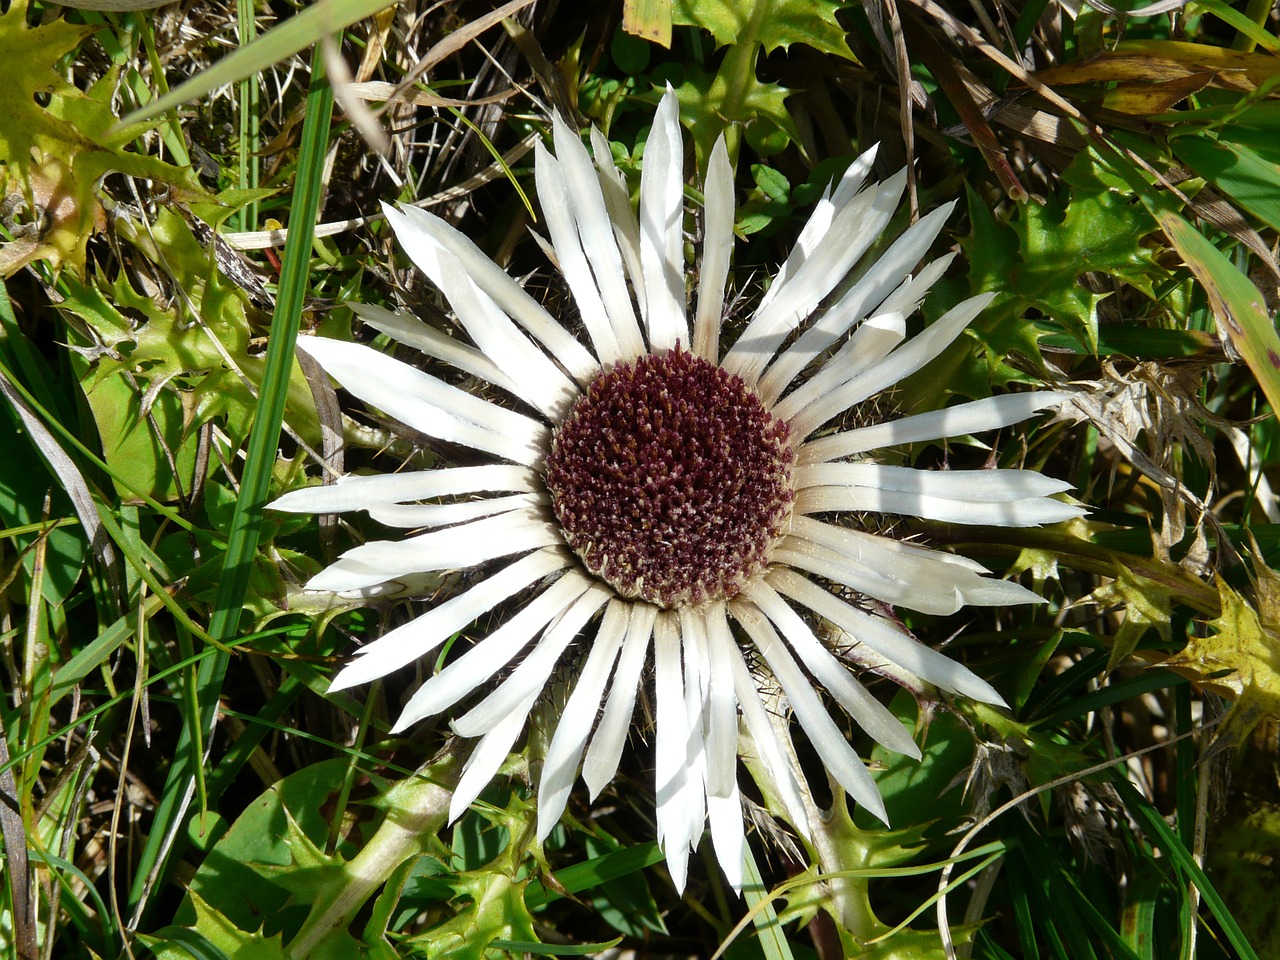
557 209
808 407
453 548
855 227
869 713
843 765
493 652
661 235
886 639
486 758
611 733
416 515
412 332
357 491
573 729
534 670
717 245
976 416
503 290
587 205
420 636
426 404
885 278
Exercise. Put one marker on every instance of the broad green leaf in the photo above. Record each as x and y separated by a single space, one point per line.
773 23
739 103
1243 175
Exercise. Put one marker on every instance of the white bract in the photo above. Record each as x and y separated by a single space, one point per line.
662 509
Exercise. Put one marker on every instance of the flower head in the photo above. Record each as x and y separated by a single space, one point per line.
672 506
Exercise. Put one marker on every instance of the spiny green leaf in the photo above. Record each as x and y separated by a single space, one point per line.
54 142
773 23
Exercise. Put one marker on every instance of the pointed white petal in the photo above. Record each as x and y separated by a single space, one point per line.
874 340
532 674
768 748
420 636
977 416
841 762
414 333
938 595
819 222
807 409
626 229
672 734
543 383
661 230
501 288
486 758
866 710
912 291
717 246
899 573
573 729
886 639
696 682
492 653
358 491
558 211
453 548
611 734
889 274
585 201
414 515
722 726
728 836
1016 513
426 404
983 485
855 227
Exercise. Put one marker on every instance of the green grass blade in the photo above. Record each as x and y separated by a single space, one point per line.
773 942
1160 833
296 33
1245 176
186 774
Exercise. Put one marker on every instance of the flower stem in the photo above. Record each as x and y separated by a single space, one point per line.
416 810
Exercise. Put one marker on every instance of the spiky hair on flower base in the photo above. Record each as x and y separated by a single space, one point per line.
663 505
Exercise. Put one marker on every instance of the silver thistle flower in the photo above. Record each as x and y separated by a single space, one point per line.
676 493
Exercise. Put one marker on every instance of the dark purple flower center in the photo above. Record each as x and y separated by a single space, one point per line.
671 480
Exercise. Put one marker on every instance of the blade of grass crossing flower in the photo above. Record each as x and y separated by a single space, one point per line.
1164 837
773 942
186 775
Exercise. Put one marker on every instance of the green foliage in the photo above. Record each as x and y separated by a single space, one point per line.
776 24
161 661
55 154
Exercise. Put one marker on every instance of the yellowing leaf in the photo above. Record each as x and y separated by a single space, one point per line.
53 143
773 23
1236 302
1239 659
648 19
